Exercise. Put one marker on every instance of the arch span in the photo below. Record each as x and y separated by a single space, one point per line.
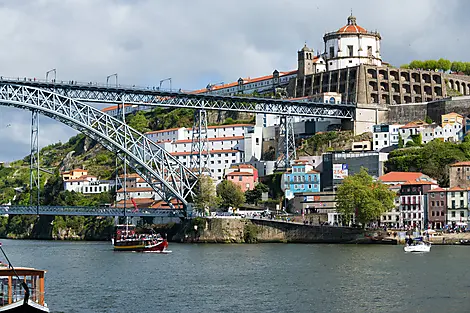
169 177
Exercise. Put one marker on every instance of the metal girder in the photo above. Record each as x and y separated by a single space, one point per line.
87 92
286 143
167 176
200 144
34 159
88 211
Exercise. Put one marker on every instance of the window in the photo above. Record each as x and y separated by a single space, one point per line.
442 203
369 50
461 194
432 204
432 195
461 204
453 214
332 53
432 213
240 178
462 214
350 51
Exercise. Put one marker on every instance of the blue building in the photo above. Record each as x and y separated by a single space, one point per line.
300 178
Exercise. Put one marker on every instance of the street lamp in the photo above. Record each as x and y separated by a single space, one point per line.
112 75
163 80
51 71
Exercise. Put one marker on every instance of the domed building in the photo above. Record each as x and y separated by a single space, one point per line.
351 45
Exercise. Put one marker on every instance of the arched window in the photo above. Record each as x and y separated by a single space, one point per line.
332 100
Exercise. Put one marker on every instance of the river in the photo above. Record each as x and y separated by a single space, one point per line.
91 277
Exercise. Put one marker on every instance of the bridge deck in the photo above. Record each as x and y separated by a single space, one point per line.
88 211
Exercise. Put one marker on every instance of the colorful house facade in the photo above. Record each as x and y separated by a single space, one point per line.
300 178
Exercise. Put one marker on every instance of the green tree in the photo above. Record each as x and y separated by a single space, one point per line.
428 120
230 194
416 64
138 121
254 196
405 66
430 65
361 195
205 198
444 64
458 66
400 141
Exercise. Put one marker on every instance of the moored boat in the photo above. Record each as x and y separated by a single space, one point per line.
417 245
126 239
21 289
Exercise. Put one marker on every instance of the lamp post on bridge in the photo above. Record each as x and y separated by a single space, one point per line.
51 71
163 80
109 76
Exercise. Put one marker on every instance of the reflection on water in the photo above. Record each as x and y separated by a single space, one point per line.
91 277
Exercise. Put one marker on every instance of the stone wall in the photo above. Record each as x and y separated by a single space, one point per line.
235 231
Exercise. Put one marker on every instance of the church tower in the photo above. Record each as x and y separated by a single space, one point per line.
305 61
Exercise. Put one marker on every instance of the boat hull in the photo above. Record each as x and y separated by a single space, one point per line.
21 307
418 249
140 246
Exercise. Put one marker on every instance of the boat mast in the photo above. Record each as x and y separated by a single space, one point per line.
23 283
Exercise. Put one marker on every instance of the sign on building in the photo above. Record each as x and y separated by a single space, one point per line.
340 171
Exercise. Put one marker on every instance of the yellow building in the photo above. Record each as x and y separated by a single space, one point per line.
74 174
451 119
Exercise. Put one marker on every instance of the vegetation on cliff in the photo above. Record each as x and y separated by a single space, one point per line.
432 159
330 141
359 194
441 64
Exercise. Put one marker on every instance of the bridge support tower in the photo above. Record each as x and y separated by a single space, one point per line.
286 143
200 144
34 160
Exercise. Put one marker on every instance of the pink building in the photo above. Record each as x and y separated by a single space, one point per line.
243 175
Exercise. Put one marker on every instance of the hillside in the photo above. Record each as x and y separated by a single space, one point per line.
330 141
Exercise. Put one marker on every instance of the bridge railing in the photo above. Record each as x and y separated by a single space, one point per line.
88 211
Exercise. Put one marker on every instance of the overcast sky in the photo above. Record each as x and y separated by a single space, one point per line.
198 42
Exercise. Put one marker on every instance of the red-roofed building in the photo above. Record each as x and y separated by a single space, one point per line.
74 174
459 174
437 208
352 45
457 206
398 178
412 201
243 175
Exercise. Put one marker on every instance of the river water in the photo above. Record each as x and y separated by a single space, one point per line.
91 277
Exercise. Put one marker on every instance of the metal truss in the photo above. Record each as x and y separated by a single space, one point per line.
34 159
286 143
86 92
200 144
167 176
88 211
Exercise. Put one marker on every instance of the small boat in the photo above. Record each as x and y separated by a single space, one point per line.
21 289
417 245
126 239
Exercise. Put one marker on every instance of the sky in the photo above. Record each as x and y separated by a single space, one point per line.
198 42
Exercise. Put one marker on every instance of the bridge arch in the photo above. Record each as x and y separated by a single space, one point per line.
167 176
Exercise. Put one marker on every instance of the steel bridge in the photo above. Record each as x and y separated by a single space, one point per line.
88 211
167 176
89 92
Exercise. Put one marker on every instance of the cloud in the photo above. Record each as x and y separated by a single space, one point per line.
196 43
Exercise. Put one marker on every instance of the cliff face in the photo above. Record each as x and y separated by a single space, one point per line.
244 230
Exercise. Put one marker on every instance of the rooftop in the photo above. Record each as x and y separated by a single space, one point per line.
400 176
463 163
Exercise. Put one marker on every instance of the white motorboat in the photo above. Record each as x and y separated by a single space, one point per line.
418 245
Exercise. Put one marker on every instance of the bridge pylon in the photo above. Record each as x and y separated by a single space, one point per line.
200 156
286 143
34 159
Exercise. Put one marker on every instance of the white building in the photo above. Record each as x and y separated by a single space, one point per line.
457 206
352 45
392 218
227 145
136 188
86 184
385 136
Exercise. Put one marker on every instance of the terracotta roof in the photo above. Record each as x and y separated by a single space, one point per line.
140 202
313 172
212 139
400 176
352 29
438 189
81 178
136 189
246 166
419 182
247 80
162 131
464 163
456 188
239 174
132 175
164 205
114 107
204 152
231 125
414 124
301 161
